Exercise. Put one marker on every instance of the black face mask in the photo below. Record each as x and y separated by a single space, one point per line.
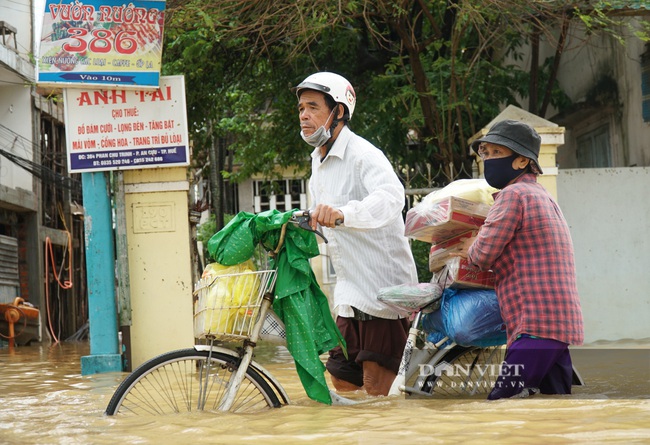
499 172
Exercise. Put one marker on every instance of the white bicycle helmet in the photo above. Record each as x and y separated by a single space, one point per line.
334 85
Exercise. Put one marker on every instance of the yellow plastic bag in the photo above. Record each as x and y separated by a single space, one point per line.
230 296
475 190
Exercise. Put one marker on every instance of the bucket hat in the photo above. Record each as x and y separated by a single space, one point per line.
515 135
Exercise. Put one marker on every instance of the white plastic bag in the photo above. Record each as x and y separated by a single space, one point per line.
411 297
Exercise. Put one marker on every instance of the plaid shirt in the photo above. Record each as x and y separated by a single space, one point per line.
526 241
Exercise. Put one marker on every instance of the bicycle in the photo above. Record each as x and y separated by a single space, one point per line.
448 369
218 376
445 368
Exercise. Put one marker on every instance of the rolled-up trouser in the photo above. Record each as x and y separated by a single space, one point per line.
376 340
534 365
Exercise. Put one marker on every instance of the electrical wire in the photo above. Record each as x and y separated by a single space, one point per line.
41 172
66 284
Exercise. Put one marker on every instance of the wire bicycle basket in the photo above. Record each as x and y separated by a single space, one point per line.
227 306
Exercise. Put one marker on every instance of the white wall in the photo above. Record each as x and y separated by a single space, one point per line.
16 115
19 15
608 212
15 97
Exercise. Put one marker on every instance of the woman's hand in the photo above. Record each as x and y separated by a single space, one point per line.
463 247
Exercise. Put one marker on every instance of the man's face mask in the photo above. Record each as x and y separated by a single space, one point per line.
499 172
319 137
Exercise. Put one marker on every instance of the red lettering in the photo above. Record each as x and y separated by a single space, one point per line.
157 95
64 10
128 14
73 11
101 96
117 13
121 94
84 99
153 16
89 12
54 11
105 14
140 15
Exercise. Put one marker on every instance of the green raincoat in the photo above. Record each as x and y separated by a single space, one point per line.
299 301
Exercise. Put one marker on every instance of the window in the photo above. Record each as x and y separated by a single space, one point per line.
594 149
282 195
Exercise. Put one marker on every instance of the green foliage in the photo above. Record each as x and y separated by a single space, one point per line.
206 230
420 251
602 17
428 74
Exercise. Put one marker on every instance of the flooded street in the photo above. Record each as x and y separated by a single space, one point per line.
45 400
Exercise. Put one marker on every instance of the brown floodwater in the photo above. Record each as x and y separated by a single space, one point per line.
45 400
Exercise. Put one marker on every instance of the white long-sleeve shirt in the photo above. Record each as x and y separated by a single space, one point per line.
369 251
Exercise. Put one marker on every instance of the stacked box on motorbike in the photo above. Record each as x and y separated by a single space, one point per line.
441 220
440 251
459 274
445 218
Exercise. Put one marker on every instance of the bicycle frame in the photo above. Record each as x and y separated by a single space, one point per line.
413 356
246 360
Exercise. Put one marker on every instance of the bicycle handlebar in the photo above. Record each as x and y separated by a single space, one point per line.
301 218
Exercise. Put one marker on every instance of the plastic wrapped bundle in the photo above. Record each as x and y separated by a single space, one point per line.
470 317
412 297
457 208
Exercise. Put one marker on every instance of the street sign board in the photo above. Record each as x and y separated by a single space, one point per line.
106 43
126 129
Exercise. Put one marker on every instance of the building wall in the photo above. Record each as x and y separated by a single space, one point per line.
585 62
583 66
16 114
19 15
607 215
18 197
15 97
35 199
609 219
635 132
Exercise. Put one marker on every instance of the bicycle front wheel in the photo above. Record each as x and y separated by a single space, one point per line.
185 381
463 371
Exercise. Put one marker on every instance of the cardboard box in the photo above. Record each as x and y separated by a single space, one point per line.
439 252
444 219
458 274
